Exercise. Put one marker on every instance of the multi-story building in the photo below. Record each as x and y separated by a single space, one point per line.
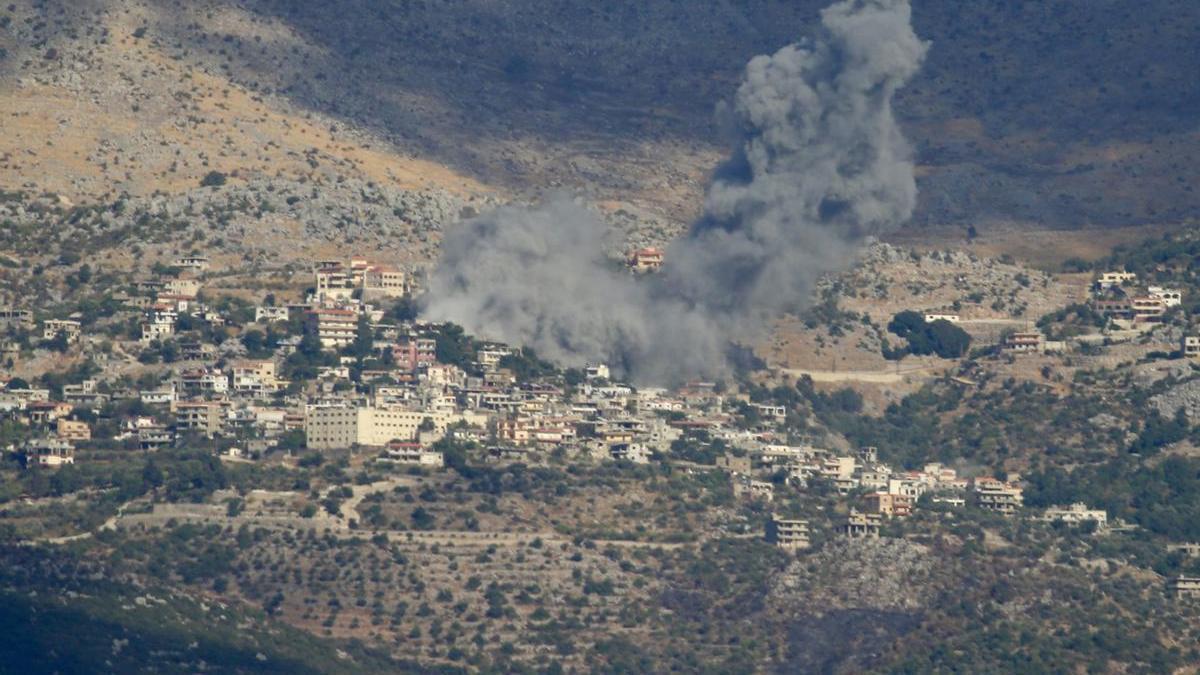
333 282
21 319
859 524
384 281
198 263
1190 346
1024 342
1184 587
72 430
1171 297
648 259
411 352
70 328
204 381
888 504
1148 308
204 417
996 495
48 452
328 427
254 377
788 533
335 328
160 322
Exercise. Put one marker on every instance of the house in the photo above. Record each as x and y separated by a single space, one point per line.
268 314
952 318
21 319
1148 308
160 322
189 288
253 377
70 329
198 263
48 452
1030 342
204 381
154 437
598 371
1190 346
887 504
336 328
45 412
333 282
648 259
72 430
1111 279
787 533
161 396
412 453
1114 307
384 281
1077 513
734 464
1184 587
1171 297
997 495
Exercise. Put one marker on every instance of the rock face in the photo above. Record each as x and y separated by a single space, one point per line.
1185 396
865 574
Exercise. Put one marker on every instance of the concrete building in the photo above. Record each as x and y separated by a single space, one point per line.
1148 308
859 524
996 495
267 314
328 427
789 534
1170 297
205 417
1190 346
1024 342
1077 513
70 328
333 282
952 318
254 377
72 430
887 504
1184 587
336 328
384 281
412 453
48 452
1110 279
197 263
160 322
20 319
648 259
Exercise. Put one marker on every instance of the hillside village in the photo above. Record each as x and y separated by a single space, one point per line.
349 367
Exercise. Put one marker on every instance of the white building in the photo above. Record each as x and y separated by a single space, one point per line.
1077 513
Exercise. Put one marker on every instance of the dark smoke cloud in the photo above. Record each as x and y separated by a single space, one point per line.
819 165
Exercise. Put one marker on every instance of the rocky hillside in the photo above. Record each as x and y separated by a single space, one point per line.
1059 114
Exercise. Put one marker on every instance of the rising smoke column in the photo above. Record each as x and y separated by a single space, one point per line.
818 165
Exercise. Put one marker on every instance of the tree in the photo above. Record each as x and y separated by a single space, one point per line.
213 179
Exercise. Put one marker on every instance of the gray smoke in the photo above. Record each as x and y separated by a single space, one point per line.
819 164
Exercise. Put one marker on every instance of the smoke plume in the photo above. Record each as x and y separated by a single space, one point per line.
819 164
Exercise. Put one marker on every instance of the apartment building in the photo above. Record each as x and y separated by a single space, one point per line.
204 417
336 328
996 495
788 533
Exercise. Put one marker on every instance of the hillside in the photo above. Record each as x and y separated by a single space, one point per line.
1050 115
